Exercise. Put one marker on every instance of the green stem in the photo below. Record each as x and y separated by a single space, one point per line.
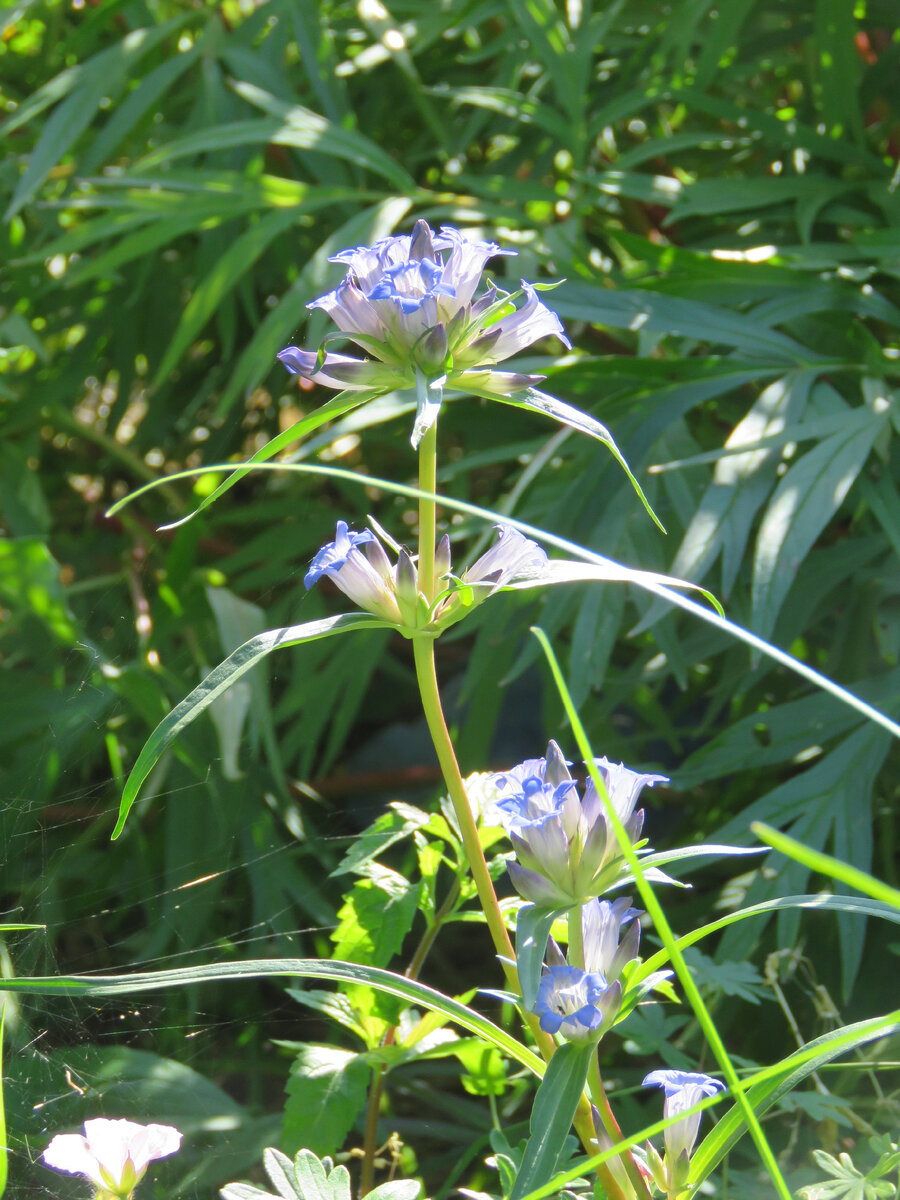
427 512
426 675
370 1136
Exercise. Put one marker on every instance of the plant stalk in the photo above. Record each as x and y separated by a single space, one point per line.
426 675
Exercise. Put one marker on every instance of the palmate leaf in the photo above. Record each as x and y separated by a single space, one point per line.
806 498
833 799
222 677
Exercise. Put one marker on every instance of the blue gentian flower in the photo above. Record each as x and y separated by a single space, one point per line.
566 849
683 1089
358 565
580 1005
409 302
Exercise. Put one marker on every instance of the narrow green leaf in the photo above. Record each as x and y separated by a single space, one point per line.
782 1080
552 1115
562 571
536 401
225 275
335 407
244 659
642 579
4 1158
94 79
276 328
813 903
824 864
409 990
135 106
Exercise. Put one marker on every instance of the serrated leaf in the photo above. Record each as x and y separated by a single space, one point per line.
326 1089
376 916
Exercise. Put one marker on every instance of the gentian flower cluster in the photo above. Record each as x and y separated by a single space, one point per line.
358 564
113 1155
410 302
566 848
683 1090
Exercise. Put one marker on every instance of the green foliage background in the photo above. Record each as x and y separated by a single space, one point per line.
717 188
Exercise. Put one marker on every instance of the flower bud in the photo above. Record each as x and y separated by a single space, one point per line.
407 588
431 351
442 558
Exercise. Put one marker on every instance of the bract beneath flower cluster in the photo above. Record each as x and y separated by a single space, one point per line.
410 302
358 564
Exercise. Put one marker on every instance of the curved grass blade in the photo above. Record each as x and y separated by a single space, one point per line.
823 903
832 867
270 968
790 1072
342 403
627 574
536 401
219 680
4 1160
844 1040
559 571
664 930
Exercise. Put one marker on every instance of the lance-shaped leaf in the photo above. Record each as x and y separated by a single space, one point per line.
222 677
533 926
533 400
410 990
552 1116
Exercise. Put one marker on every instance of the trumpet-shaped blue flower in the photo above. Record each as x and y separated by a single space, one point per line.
683 1089
359 566
580 1005
566 849
410 302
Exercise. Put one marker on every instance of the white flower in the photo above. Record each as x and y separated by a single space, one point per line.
114 1155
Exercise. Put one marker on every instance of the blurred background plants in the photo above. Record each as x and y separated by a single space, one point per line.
717 187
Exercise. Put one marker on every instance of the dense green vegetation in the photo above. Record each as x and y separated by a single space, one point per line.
717 189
